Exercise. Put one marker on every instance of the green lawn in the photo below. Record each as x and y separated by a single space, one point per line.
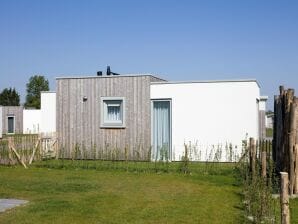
113 196
294 211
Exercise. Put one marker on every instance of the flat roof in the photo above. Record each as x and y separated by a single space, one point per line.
161 82
108 76
207 81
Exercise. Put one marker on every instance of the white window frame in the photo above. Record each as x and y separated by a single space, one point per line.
14 124
103 111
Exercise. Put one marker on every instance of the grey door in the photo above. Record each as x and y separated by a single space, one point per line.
10 125
161 130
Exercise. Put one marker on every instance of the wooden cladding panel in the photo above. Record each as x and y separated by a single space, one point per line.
17 112
78 122
262 125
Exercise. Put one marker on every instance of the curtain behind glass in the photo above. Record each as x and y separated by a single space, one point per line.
114 113
161 130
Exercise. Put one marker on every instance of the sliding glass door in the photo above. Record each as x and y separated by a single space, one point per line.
161 130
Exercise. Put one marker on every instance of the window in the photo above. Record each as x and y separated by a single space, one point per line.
161 130
112 112
10 125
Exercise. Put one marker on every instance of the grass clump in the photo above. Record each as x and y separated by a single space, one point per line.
257 190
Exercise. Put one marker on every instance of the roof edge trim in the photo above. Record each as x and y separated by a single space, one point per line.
207 81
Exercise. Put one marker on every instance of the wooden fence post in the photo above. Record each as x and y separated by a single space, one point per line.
252 155
264 165
284 198
292 138
296 171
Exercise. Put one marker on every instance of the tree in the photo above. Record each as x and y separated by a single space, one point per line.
9 97
36 84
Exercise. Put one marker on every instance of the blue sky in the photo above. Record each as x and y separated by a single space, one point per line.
179 40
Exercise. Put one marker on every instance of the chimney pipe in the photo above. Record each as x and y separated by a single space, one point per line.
108 70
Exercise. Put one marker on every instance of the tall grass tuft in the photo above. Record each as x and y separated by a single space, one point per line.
185 161
258 203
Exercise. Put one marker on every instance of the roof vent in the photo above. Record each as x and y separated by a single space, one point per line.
99 73
109 72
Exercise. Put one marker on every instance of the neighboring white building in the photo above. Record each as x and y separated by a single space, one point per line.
31 121
43 120
269 120
48 112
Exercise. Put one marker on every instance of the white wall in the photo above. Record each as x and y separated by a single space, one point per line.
31 121
210 115
269 121
263 101
48 112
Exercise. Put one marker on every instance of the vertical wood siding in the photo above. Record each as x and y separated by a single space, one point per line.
262 125
78 122
16 111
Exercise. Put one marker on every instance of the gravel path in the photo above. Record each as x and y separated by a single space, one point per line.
6 204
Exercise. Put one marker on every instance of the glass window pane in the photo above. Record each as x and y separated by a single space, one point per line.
114 113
